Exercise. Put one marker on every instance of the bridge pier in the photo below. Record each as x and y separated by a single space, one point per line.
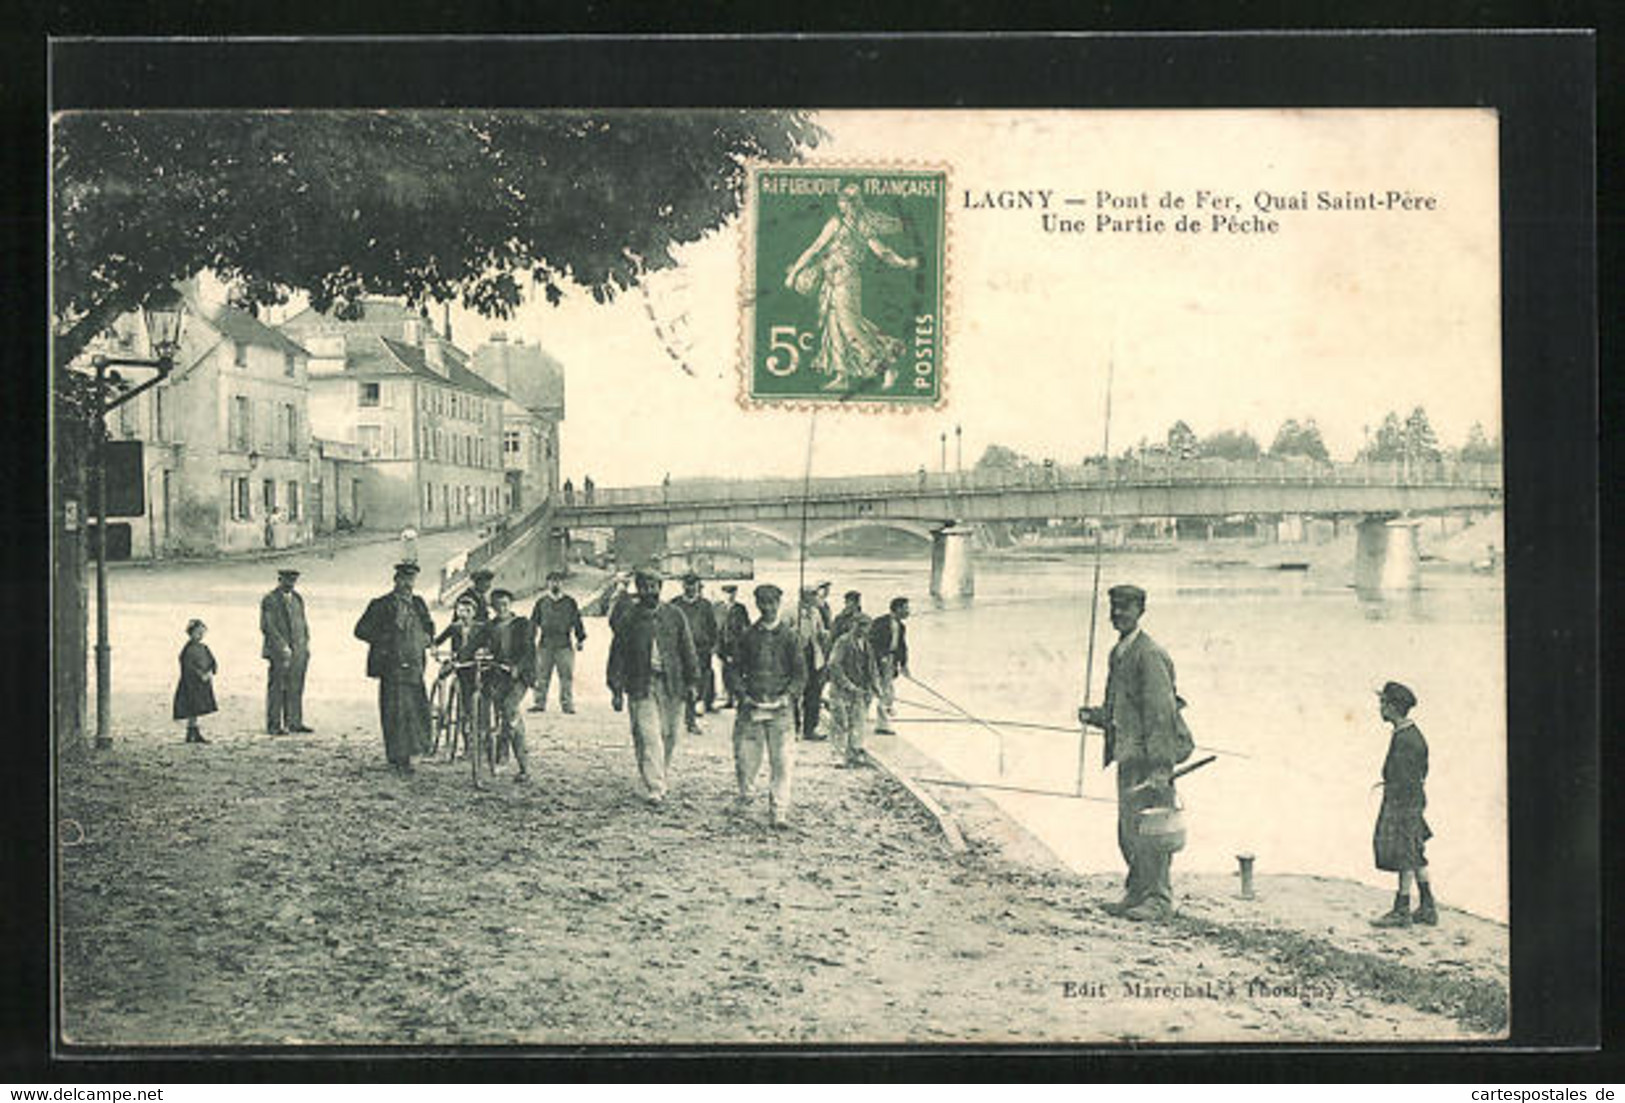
953 572
1388 555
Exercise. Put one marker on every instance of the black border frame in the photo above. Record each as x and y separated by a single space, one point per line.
1543 84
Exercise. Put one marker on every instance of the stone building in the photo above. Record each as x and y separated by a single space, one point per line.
534 383
427 431
225 439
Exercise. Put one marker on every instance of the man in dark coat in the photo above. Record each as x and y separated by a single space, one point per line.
652 666
888 637
1146 736
556 622
1402 831
511 642
733 620
480 590
397 629
852 610
702 625
286 648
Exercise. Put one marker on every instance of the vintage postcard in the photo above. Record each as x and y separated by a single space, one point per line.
817 577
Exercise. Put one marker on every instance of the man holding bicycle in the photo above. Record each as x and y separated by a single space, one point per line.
513 651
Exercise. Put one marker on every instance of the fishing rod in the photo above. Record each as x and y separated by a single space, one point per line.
1094 592
945 717
956 783
806 495
967 714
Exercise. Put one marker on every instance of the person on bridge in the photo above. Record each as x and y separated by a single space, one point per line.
569 493
286 647
889 638
1147 737
511 642
556 622
1402 832
733 620
814 640
652 666
772 675
587 488
702 625
397 629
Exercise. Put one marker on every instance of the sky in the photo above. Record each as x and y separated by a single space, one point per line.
1340 316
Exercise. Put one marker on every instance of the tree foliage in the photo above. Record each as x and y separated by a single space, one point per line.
1182 442
1230 444
1296 438
1479 448
997 457
427 205
1409 441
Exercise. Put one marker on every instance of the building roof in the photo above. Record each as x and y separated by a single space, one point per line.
375 344
412 357
527 372
245 329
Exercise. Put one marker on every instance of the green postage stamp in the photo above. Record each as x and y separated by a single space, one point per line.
845 273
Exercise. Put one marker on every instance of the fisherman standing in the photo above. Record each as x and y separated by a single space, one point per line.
854 680
397 629
772 674
733 621
702 626
852 610
556 622
286 648
653 666
1146 736
889 638
1402 833
814 639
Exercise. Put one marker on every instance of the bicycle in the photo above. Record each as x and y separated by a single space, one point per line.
446 712
478 741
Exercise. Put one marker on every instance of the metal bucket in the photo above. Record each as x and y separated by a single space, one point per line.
1163 829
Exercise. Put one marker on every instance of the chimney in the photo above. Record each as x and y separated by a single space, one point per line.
434 357
498 337
445 321
412 331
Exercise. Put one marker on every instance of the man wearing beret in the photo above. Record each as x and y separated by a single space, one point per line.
1146 736
652 666
398 630
556 621
772 675
286 648
1402 832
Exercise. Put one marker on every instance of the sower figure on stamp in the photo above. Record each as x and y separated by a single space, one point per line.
397 629
1147 737
854 680
772 675
286 649
510 640
733 622
1402 833
556 621
702 626
889 638
653 667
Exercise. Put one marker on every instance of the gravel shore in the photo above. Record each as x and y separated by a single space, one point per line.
290 890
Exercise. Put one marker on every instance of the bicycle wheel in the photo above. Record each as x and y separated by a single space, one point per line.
453 718
471 726
437 716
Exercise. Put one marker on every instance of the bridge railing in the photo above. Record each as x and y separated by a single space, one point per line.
1119 472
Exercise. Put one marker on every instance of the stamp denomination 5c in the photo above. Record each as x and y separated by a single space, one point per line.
845 268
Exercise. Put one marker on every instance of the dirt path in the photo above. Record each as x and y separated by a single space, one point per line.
269 890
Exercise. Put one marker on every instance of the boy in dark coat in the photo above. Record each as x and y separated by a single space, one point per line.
194 694
1401 832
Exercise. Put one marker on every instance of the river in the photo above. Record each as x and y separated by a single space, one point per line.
1279 669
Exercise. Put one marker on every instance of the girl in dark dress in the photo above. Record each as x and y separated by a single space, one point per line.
466 635
194 694
1401 834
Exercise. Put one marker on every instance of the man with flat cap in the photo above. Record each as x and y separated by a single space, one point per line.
772 676
1146 736
1402 831
480 590
398 630
555 620
652 666
512 644
733 619
286 648
702 626
850 612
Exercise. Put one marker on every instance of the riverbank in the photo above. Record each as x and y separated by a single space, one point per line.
288 890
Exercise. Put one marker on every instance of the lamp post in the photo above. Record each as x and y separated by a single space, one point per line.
945 452
162 314
959 452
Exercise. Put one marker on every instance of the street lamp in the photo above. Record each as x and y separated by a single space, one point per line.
162 313
959 451
945 451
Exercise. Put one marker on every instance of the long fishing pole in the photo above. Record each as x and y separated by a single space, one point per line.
972 717
945 717
1094 592
806 495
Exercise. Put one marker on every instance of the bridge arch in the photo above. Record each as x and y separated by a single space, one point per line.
787 534
920 529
